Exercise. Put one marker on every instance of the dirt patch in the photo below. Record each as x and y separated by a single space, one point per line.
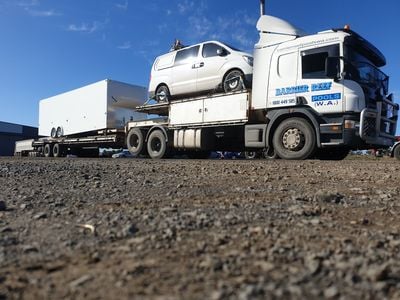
199 229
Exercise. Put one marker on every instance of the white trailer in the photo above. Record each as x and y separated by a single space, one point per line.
83 120
312 95
102 105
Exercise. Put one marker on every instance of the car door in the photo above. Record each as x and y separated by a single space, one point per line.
209 64
184 73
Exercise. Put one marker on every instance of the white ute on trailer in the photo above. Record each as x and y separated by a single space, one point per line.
313 95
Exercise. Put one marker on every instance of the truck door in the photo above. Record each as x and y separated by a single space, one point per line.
322 93
184 72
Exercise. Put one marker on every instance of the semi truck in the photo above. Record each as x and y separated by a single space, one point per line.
312 95
317 95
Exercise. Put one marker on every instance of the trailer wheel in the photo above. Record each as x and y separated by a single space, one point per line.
59 132
157 144
58 150
53 132
396 152
294 139
135 141
47 150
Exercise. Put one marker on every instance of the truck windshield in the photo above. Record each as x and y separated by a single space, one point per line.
360 69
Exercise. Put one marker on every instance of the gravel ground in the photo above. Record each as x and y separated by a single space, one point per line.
199 229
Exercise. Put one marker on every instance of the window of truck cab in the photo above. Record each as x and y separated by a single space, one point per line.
186 55
313 61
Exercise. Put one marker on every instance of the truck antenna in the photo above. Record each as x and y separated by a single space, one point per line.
262 7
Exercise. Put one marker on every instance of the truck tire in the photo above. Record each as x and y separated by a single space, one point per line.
270 154
396 152
135 141
58 150
157 144
48 150
294 139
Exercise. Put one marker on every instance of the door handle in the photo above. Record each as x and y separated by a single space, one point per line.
198 65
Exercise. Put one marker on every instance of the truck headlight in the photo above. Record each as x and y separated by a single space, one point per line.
248 59
350 124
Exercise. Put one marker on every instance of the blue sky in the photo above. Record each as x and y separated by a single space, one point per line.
51 46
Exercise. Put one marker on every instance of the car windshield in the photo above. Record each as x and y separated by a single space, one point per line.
360 69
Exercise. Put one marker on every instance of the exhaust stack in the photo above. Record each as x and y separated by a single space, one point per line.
262 7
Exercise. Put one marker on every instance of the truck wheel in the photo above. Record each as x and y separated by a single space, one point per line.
58 150
157 144
233 81
47 150
135 141
396 152
162 94
294 139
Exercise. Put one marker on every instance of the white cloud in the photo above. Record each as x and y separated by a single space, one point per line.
122 6
84 27
125 46
28 4
185 6
43 13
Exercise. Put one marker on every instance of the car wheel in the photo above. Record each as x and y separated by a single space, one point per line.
233 81
163 94
294 139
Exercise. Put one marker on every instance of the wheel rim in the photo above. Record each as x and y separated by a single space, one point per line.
156 145
293 139
134 141
162 95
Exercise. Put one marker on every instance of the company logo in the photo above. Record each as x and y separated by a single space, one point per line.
315 87
327 97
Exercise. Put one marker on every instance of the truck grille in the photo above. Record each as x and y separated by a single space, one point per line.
369 128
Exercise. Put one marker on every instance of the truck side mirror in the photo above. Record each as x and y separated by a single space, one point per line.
332 68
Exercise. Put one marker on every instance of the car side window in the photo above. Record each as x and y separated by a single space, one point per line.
313 61
210 50
184 56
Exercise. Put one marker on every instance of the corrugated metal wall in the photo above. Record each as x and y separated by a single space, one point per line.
10 133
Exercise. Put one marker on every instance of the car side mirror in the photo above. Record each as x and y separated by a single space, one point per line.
221 52
332 68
